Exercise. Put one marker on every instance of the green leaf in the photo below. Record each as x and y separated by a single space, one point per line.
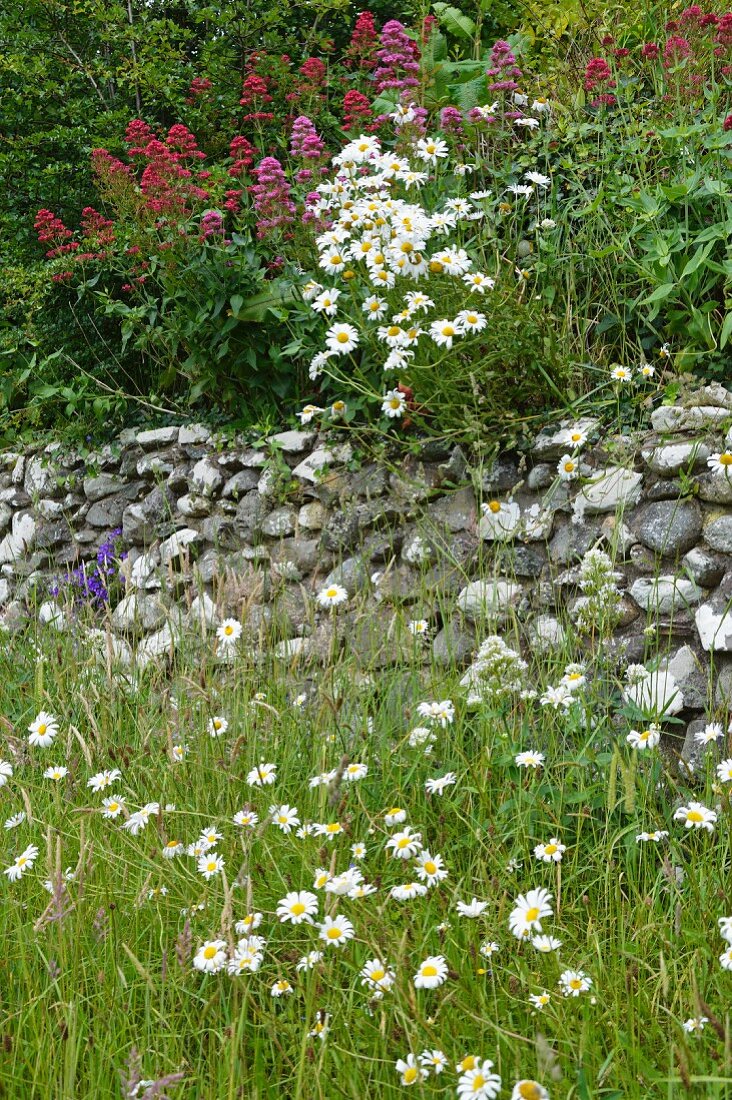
237 301
726 330
697 259
454 21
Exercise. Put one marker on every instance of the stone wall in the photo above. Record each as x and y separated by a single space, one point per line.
214 526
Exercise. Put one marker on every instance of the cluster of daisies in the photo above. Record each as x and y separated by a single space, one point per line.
378 240
476 1076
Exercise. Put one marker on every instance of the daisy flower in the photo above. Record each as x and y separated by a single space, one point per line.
393 404
336 931
711 732
529 1090
103 779
410 1073
721 463
284 817
568 468
332 596
431 973
262 776
478 282
42 730
55 772
551 852
211 956
489 948
247 819
725 928
479 1082
575 437
725 959
444 332
281 988
15 820
540 1000
654 837
472 909
439 784
229 632
545 944
431 149
529 911
341 338
695 1025
529 759
430 869
405 844
644 739
395 816
210 864
418 628
724 771
6 772
696 816
297 907
326 302
374 307
434 1059
354 772
217 726
621 374
307 962
377 974
574 982
112 806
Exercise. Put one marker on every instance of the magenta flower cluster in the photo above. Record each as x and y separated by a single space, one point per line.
271 193
398 59
503 68
305 141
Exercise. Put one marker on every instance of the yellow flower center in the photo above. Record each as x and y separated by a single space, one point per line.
429 971
228 630
283 819
336 259
377 975
448 330
21 861
374 307
478 1082
532 914
725 459
394 810
694 815
395 403
333 828
172 844
393 330
436 268
42 728
209 952
342 337
403 842
550 849
335 933
494 506
529 1090
349 274
211 865
297 909
467 1063
430 867
575 983
568 467
410 1075
113 806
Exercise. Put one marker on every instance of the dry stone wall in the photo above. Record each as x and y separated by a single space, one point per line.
213 527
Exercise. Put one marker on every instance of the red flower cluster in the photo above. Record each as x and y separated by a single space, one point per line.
356 110
242 153
51 230
362 47
598 75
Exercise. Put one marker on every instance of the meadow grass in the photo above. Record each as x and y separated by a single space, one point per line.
102 967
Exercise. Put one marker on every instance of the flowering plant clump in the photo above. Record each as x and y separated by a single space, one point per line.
90 585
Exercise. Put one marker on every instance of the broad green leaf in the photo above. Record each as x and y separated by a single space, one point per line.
726 330
454 20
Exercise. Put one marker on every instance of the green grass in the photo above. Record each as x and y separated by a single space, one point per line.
113 970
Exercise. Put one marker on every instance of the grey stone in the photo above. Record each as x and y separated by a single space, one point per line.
20 539
342 530
52 533
715 488
40 479
665 488
541 476
106 513
192 434
713 393
665 594
293 442
671 458
659 695
723 687
456 511
312 468
718 534
250 514
279 523
138 613
612 488
206 478
193 505
155 645
178 544
572 541
105 646
148 519
668 527
239 484
49 509
157 437
203 612
104 485
714 619
155 465
6 514
689 672
488 599
352 574
673 418
546 632
312 516
554 444
454 644
705 568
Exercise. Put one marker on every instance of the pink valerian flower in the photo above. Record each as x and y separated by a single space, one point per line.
430 23
212 225
451 121
398 58
597 72
233 201
199 86
314 72
503 68
650 51
182 141
271 194
137 136
242 153
305 141
676 50
724 30
727 124
96 227
362 47
356 110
